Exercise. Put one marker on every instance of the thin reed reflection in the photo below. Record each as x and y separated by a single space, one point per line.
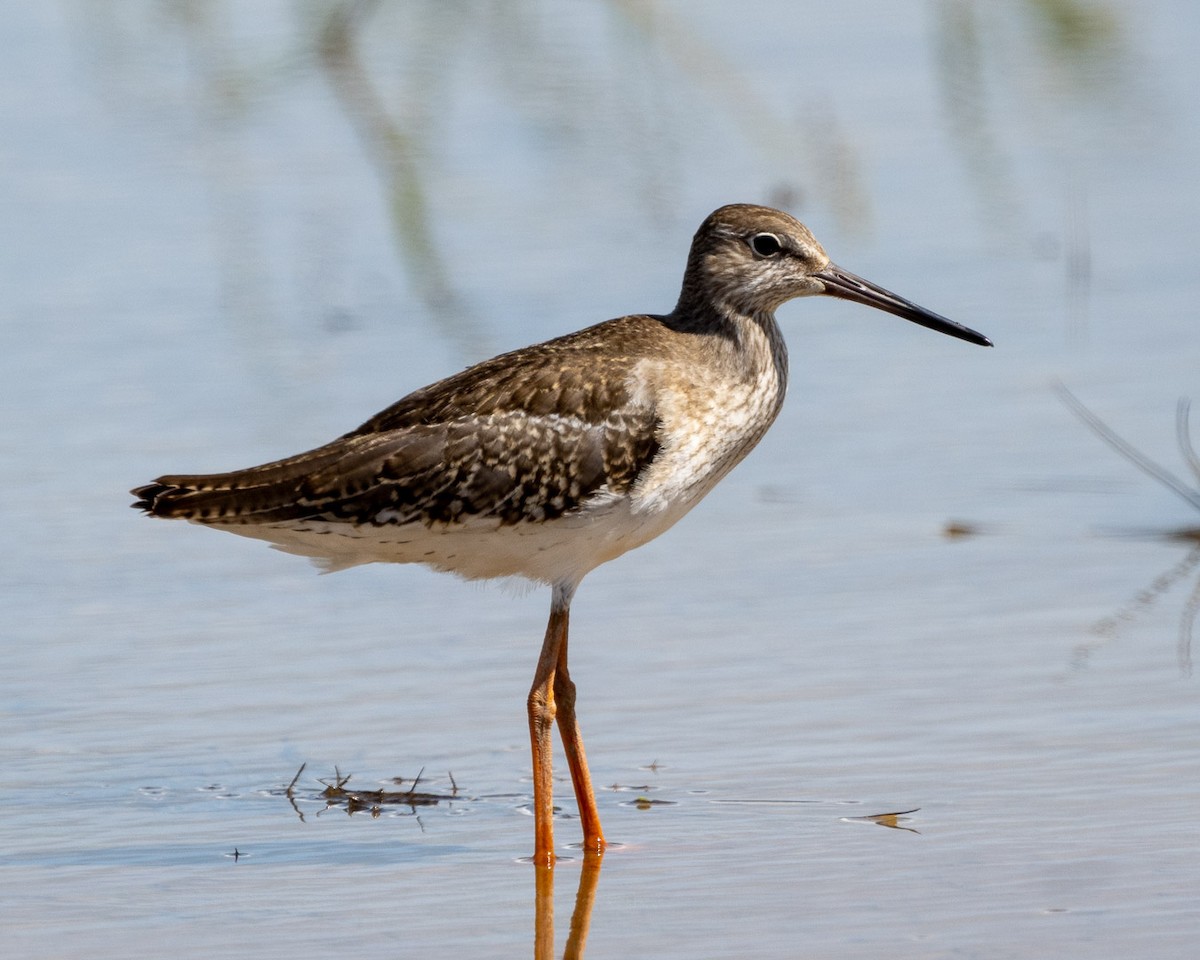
1107 628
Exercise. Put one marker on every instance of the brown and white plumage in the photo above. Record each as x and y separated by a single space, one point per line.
525 438
548 461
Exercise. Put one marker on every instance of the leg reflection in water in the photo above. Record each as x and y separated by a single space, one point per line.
543 936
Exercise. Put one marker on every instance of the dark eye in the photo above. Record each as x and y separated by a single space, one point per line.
765 244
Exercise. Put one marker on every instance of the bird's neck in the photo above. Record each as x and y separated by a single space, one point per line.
749 348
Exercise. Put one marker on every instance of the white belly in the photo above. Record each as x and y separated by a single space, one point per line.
555 551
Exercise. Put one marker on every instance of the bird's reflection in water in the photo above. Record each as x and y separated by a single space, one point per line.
581 917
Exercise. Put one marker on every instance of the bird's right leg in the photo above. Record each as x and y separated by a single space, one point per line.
568 728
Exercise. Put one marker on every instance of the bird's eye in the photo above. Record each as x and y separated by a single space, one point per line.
766 244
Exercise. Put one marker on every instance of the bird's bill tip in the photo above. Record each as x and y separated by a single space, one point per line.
848 286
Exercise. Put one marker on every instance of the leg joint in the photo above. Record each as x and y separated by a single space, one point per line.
540 705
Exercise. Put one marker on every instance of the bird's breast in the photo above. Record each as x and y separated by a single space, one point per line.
708 424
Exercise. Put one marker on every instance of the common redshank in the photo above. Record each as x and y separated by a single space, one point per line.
548 461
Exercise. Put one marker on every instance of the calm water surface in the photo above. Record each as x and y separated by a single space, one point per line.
235 231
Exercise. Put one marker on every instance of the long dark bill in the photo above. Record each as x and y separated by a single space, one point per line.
846 286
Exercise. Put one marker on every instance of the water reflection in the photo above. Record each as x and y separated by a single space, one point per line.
895 820
337 794
581 916
390 140
1064 60
212 80
394 71
1063 68
1108 627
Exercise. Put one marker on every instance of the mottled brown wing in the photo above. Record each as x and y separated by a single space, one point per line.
579 375
525 436
508 466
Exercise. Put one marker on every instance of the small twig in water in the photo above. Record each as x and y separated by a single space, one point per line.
413 788
291 789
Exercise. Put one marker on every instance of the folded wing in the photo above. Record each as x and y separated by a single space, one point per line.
514 442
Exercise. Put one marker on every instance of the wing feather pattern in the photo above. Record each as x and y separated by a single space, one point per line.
526 436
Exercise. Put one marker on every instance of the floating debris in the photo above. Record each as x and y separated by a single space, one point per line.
893 820
336 793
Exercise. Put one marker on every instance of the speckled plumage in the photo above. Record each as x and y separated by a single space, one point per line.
548 461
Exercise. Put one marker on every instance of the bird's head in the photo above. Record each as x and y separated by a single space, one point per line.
749 260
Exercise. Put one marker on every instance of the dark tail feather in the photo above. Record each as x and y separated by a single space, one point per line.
147 497
218 496
307 485
176 498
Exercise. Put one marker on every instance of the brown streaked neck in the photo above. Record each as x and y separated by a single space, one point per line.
709 308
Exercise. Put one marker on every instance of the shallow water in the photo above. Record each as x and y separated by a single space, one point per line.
232 235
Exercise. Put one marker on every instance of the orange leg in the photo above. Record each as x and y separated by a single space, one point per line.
541 708
568 729
552 697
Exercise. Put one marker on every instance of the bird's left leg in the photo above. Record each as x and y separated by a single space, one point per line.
542 707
